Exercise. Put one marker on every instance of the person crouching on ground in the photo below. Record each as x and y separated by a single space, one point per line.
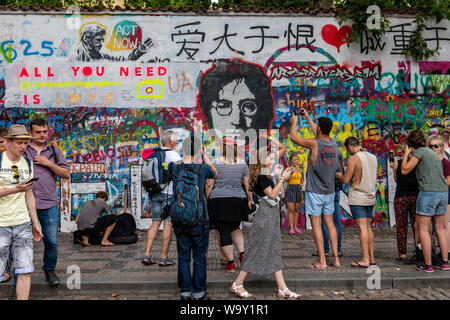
91 222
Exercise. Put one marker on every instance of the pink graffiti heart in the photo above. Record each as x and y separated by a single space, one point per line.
335 37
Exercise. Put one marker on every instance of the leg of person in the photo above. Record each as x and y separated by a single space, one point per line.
152 232
316 223
296 222
238 286
200 238
49 220
22 246
165 244
106 225
401 222
326 240
328 212
283 290
447 216
6 275
328 218
337 218
423 224
441 230
364 241
226 243
238 240
314 208
223 257
371 242
5 252
291 213
184 249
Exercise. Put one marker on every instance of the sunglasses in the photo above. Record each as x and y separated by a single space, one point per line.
434 146
16 172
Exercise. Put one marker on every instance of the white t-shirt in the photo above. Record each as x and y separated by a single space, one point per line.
13 208
171 156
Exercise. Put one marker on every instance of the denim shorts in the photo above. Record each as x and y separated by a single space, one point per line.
318 204
432 203
158 201
18 239
361 212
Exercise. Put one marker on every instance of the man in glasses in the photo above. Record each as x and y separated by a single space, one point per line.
19 224
236 96
49 163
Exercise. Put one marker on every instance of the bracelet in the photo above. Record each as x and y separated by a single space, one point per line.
283 179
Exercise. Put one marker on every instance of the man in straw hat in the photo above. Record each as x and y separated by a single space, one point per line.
19 224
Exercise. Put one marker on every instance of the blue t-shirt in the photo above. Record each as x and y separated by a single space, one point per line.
206 172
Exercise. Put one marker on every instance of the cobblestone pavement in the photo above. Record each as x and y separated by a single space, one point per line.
125 260
391 294
118 270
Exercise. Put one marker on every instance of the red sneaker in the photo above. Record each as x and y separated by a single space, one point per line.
230 267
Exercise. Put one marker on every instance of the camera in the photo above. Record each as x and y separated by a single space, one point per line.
299 112
166 212
391 157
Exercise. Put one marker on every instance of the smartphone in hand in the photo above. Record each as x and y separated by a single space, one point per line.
32 180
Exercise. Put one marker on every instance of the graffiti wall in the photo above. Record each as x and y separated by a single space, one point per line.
110 87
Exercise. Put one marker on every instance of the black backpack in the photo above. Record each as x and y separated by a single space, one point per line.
124 231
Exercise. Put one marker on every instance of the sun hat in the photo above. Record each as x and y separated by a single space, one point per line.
17 131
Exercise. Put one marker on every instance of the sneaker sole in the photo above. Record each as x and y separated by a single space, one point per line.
418 269
442 269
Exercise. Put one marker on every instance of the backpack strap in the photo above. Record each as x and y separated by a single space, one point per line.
28 163
52 147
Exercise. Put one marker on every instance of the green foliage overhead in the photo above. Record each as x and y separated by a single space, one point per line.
346 10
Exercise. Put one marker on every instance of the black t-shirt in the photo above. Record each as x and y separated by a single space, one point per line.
262 183
407 185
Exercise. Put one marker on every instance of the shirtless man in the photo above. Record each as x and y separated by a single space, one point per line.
361 173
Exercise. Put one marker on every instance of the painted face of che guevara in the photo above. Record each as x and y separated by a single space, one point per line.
234 108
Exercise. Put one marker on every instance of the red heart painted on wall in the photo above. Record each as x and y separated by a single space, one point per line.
336 37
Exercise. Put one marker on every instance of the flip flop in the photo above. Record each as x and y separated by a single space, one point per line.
7 278
108 245
358 265
313 266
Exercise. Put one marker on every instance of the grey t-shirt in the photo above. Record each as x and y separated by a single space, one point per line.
429 171
320 178
90 212
229 182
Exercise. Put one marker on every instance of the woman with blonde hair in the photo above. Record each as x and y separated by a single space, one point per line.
432 199
293 194
437 144
263 253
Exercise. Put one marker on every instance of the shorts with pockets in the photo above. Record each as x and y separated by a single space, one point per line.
18 240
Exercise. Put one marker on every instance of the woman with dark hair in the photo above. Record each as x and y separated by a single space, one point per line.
236 95
228 202
263 253
433 197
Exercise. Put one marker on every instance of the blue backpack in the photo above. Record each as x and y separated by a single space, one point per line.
186 209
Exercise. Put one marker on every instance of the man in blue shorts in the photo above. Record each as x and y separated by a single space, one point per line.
323 163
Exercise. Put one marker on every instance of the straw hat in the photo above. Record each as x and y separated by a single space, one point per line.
17 131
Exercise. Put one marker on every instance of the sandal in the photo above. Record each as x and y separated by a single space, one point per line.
234 289
166 262
7 277
283 294
148 260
